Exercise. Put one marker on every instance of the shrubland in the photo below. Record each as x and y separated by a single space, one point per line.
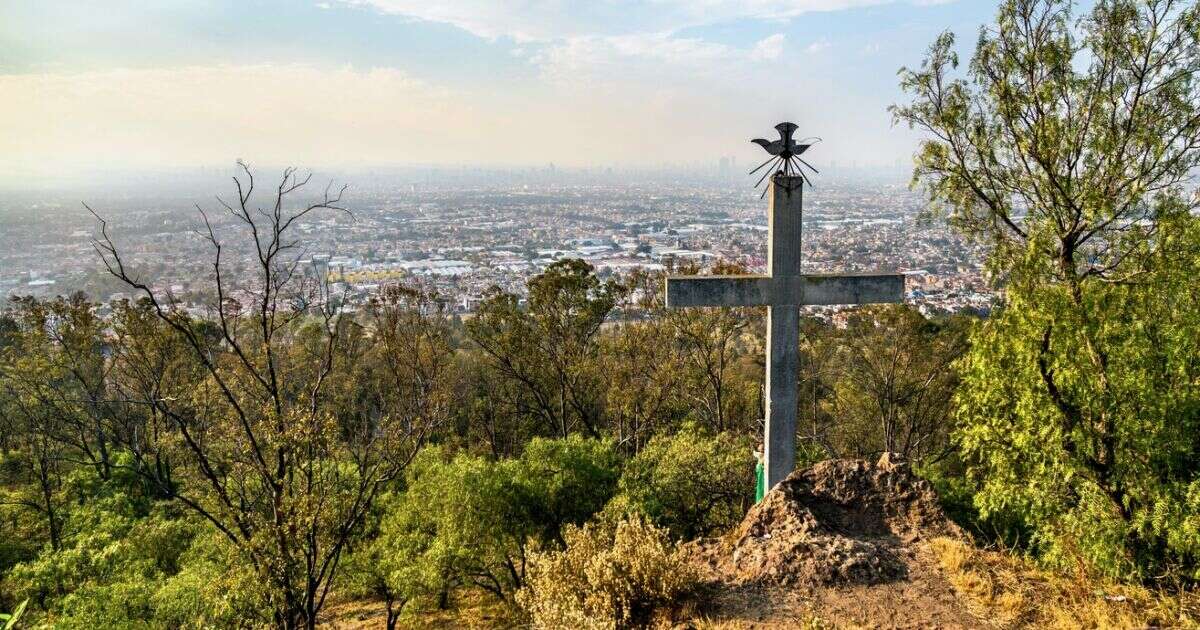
250 463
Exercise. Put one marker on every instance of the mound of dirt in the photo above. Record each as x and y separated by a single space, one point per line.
839 522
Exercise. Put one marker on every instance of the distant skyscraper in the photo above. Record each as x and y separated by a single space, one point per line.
724 169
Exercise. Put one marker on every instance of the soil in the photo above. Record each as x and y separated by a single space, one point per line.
844 542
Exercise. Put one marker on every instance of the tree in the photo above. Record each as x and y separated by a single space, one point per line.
691 483
1067 143
387 566
893 384
250 438
713 342
468 521
1068 146
641 362
548 349
53 392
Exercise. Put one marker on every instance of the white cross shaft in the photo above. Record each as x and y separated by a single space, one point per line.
783 291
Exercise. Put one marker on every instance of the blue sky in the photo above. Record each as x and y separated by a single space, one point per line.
365 82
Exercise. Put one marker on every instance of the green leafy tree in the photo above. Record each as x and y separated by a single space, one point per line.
715 345
565 481
469 521
891 386
693 483
1068 146
389 565
641 363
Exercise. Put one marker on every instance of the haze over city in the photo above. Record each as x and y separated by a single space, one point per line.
94 91
480 142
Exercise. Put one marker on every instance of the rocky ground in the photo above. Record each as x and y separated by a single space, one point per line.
845 542
855 544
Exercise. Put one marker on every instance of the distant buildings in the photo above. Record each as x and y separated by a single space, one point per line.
462 240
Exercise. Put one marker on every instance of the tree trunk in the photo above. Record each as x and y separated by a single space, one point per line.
393 613
48 500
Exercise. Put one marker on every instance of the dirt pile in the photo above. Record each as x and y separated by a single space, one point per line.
838 522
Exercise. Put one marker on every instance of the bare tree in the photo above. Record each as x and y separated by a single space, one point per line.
242 429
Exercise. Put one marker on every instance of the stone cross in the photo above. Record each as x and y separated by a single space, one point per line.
783 291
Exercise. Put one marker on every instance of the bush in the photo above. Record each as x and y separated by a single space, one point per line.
691 483
126 562
469 520
1101 468
568 480
606 577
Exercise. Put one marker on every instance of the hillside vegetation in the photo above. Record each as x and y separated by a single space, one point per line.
558 458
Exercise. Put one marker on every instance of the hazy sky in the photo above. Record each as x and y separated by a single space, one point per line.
139 84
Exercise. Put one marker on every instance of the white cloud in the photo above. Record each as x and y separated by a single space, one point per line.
768 48
308 115
621 53
623 81
548 20
215 113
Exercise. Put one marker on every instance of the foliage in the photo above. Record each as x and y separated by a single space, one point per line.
468 520
1114 480
606 577
1068 147
889 383
1068 139
690 483
713 344
119 560
565 481
239 418
548 350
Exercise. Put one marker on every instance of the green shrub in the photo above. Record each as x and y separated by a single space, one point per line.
1101 468
214 588
567 480
691 483
467 520
128 563
606 577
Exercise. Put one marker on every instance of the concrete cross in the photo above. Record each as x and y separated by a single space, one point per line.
783 291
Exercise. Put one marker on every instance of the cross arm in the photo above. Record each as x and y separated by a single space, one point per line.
718 291
827 289
805 290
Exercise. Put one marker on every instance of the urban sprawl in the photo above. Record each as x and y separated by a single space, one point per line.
462 237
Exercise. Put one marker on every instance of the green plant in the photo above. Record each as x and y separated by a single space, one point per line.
1069 146
606 577
10 619
467 520
692 483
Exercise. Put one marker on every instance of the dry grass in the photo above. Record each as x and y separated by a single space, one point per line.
810 623
1011 592
1002 588
469 609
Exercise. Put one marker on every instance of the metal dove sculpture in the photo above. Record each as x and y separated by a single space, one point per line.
785 153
